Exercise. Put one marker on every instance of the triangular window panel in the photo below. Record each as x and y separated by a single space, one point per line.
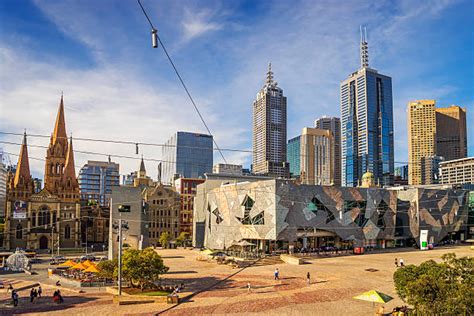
219 217
316 205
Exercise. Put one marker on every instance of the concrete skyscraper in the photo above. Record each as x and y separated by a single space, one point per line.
317 156
269 130
334 125
366 124
451 134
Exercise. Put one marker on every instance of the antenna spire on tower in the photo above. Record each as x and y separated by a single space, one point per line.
269 80
364 48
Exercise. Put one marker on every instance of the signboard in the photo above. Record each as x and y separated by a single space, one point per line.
423 239
19 209
124 208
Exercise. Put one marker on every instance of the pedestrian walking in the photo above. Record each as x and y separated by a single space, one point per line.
15 298
249 287
35 296
40 291
396 262
32 295
277 274
402 263
308 279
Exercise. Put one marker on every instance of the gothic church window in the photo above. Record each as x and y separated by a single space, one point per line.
19 232
67 232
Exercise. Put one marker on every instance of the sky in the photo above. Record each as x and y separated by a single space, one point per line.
117 87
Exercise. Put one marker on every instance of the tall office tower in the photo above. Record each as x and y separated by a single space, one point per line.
421 137
334 125
402 172
430 169
293 154
269 130
366 124
96 179
451 134
317 156
187 155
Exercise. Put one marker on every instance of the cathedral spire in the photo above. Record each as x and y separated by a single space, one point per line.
22 174
364 48
142 171
69 168
59 133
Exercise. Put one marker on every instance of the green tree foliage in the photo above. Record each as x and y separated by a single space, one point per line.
165 239
182 239
142 267
108 269
444 288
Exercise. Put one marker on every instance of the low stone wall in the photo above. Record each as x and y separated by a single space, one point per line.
291 259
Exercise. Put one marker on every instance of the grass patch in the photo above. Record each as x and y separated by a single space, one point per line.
155 293
147 292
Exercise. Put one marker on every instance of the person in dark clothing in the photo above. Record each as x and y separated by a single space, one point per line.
396 262
15 298
32 295
40 291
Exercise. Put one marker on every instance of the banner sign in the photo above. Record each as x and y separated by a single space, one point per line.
19 210
423 239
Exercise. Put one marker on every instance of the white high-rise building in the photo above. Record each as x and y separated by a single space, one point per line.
333 124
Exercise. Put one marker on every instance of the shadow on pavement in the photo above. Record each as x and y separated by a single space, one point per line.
45 304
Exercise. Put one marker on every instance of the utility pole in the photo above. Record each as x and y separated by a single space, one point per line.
120 257
58 243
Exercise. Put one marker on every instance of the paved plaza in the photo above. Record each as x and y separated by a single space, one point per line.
220 289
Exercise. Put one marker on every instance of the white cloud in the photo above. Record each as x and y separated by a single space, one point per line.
196 24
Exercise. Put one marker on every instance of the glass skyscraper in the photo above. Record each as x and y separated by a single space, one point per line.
293 154
367 124
96 179
187 155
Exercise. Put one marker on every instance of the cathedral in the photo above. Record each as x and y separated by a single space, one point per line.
50 218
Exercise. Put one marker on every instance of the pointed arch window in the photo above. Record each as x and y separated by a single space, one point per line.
19 231
33 219
58 168
67 232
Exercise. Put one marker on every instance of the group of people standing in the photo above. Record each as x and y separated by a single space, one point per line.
399 261
35 294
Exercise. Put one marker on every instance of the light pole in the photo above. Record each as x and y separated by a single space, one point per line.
52 242
120 257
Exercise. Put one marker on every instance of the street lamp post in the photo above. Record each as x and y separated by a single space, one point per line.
120 257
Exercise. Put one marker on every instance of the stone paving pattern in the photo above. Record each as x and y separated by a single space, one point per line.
335 281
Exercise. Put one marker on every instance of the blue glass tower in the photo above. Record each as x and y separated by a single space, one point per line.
96 179
187 155
367 124
293 154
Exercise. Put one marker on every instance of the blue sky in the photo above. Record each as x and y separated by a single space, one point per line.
117 87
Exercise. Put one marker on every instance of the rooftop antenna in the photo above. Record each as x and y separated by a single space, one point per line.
269 80
364 48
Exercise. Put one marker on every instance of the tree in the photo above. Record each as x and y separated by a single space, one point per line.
108 269
438 288
165 239
142 267
182 239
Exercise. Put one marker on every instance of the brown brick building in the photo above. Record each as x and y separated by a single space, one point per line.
186 187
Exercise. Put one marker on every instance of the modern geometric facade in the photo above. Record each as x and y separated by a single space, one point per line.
459 171
317 156
269 130
187 155
334 125
421 137
451 132
96 179
279 214
34 220
366 124
293 155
